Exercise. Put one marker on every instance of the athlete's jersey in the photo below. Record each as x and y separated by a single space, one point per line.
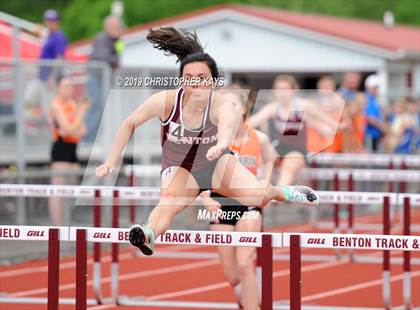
185 147
290 132
249 153
70 109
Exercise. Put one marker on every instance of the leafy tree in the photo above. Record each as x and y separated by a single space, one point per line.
83 18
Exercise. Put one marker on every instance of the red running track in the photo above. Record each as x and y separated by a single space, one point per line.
327 283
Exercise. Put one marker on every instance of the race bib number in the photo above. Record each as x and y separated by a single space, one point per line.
176 130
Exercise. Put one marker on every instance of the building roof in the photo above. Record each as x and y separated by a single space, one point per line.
371 33
362 31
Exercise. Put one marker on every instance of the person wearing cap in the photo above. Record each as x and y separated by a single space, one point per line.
54 46
107 47
375 127
39 92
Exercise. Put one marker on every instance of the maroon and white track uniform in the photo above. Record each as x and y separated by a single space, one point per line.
185 147
290 131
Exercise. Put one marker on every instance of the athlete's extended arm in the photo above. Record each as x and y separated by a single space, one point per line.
227 124
262 116
319 119
154 106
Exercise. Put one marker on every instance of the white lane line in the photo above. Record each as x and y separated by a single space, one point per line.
122 277
69 265
356 287
215 286
279 273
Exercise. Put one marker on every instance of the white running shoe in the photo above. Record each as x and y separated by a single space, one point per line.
303 195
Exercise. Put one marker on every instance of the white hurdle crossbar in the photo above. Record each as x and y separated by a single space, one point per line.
296 241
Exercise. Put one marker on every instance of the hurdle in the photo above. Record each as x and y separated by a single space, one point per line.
336 176
116 193
296 241
82 235
336 198
267 241
314 159
152 193
411 161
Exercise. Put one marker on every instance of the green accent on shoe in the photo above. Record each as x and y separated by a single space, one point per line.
286 191
151 234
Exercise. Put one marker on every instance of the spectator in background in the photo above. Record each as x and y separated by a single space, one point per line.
54 47
68 128
107 47
353 137
40 91
414 108
375 126
404 131
328 100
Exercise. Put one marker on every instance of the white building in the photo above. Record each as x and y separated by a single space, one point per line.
257 43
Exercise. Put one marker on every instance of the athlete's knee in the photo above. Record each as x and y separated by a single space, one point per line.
231 276
244 268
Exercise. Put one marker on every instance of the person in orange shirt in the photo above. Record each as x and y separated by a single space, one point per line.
68 128
254 151
328 101
354 136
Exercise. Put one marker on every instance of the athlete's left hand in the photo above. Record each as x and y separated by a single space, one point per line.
215 151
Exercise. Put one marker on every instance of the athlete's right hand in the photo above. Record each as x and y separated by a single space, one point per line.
215 151
104 169
210 204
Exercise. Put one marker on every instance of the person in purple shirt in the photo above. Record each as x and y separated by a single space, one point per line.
54 46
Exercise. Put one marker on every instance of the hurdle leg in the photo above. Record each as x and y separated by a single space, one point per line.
386 275
97 272
53 268
267 273
407 279
350 213
295 273
402 188
81 269
115 250
336 186
132 203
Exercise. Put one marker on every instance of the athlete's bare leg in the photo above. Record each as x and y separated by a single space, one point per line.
56 205
227 256
178 190
245 258
232 179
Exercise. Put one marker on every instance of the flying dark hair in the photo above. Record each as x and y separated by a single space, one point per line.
184 44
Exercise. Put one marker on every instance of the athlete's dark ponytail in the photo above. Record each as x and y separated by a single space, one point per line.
183 44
